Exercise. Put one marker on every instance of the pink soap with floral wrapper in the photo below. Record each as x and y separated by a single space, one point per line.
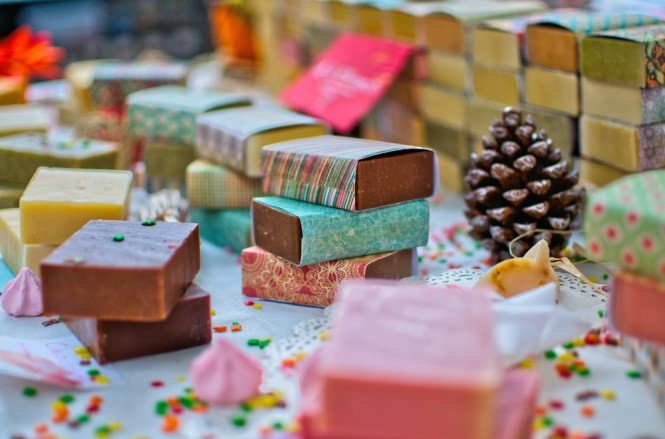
407 360
637 306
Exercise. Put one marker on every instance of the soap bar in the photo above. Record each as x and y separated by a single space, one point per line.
224 227
12 90
447 69
58 202
433 98
623 103
348 173
22 154
112 82
623 223
514 407
497 85
212 186
596 175
234 137
167 160
552 89
626 146
410 347
79 76
305 233
16 119
315 284
454 142
14 252
121 270
169 112
10 193
186 326
650 360
637 306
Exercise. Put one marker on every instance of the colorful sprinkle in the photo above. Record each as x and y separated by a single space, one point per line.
586 395
257 306
239 421
587 411
94 372
148 223
66 398
213 313
550 355
634 374
157 383
30 392
249 302
170 424
556 404
220 328
118 238
608 395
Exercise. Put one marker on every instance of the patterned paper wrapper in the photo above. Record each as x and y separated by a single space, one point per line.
226 228
328 234
212 186
113 82
320 170
267 276
624 223
169 112
222 136
650 359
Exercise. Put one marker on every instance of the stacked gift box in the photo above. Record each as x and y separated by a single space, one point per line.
340 208
624 225
623 100
163 119
225 177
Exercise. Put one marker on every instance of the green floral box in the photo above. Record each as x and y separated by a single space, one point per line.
625 223
226 228
169 112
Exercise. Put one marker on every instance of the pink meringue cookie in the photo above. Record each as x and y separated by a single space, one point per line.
22 296
225 374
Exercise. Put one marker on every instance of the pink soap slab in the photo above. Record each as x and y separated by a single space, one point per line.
513 406
637 306
404 352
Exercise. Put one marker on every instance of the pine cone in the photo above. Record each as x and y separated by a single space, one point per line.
518 184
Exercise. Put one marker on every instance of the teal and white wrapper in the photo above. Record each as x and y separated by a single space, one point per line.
328 234
225 228
169 112
212 186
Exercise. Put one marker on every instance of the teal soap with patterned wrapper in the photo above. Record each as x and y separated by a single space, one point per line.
305 233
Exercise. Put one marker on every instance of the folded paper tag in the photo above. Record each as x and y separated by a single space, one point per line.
62 362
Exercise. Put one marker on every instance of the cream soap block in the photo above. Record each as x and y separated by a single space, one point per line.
22 118
443 105
58 202
552 89
22 154
15 253
502 86
410 361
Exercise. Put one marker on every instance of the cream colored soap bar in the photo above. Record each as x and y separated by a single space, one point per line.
502 86
448 69
22 118
595 175
58 202
552 89
443 105
16 253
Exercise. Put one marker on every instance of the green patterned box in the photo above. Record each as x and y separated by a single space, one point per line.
212 186
632 56
624 223
326 234
169 112
225 228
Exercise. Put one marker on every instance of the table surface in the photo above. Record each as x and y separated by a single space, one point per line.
631 414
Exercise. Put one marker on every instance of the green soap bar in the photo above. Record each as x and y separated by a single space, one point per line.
167 160
225 228
10 193
22 154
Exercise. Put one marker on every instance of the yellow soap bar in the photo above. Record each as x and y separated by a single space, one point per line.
21 118
552 89
12 90
15 252
58 202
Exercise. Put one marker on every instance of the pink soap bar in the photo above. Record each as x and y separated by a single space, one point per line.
637 306
407 360
513 406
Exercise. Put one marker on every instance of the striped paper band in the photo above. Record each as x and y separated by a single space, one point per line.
587 23
320 170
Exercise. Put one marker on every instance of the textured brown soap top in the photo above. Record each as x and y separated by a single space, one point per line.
121 270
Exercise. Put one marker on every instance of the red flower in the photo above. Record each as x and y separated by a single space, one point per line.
598 209
29 55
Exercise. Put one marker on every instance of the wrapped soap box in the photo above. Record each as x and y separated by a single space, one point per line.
624 223
169 112
224 227
650 359
637 306
22 154
348 173
316 284
112 82
234 137
305 233
212 186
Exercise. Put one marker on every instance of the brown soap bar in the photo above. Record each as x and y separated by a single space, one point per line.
121 270
348 173
187 326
